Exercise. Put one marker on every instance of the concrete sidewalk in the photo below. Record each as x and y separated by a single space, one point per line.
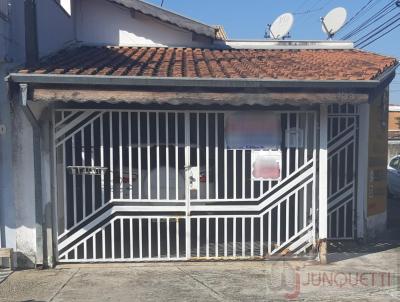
353 276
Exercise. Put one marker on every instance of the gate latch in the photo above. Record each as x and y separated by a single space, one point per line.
193 178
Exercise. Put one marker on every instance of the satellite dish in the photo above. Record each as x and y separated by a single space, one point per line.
280 27
333 21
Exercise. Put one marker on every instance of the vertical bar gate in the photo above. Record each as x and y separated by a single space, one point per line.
162 185
342 167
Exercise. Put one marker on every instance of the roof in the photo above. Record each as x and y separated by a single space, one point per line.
264 64
394 108
169 17
220 33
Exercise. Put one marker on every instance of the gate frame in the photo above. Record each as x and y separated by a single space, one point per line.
356 115
316 186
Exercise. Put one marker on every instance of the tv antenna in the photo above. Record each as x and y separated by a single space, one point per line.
280 28
333 21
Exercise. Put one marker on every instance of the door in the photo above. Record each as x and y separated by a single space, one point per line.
137 185
342 167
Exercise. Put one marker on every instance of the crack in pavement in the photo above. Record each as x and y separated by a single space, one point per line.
213 292
64 284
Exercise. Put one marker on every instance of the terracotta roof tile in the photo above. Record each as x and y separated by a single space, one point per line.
304 64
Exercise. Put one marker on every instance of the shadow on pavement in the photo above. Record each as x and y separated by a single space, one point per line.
342 250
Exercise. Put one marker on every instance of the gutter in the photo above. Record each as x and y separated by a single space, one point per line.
37 165
134 81
390 72
283 44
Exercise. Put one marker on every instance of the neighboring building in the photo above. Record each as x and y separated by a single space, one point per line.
144 135
394 131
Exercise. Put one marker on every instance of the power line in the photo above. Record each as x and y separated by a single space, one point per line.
362 43
376 29
358 14
382 21
374 18
311 10
371 20
301 5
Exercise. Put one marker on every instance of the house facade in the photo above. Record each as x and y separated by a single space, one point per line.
137 134
394 131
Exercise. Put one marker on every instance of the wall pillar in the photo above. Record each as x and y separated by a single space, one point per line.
362 171
323 183
7 206
376 197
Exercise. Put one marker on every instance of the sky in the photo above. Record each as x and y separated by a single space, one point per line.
248 20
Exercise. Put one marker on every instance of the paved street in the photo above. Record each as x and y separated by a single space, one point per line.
359 276
355 273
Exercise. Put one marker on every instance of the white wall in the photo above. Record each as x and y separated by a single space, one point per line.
66 4
55 27
3 39
105 23
13 43
16 46
7 209
24 190
17 194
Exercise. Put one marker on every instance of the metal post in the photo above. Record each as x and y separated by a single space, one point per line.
323 182
187 181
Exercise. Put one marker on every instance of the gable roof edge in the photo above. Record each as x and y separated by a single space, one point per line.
169 17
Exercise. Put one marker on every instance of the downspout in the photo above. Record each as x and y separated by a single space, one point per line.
37 166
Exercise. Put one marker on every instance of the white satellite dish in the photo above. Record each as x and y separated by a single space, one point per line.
333 21
280 27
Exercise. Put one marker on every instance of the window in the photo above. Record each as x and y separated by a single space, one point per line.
395 163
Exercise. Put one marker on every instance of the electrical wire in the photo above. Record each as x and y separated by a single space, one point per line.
370 21
311 11
376 29
301 5
362 44
379 29
358 14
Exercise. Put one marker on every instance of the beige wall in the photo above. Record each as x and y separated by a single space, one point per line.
377 159
394 120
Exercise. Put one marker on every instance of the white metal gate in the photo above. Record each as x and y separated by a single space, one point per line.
123 188
342 167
